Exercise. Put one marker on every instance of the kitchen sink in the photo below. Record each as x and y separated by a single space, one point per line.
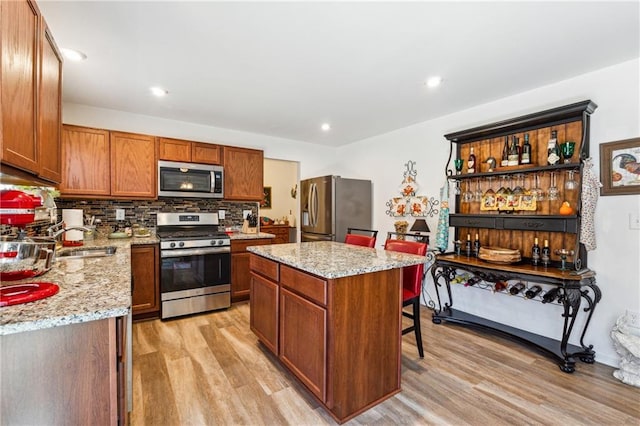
85 252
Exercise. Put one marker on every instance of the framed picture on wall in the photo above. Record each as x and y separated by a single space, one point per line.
620 167
266 198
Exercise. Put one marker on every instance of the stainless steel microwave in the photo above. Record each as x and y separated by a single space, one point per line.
190 180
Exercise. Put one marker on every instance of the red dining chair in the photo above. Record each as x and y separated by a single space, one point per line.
359 239
411 284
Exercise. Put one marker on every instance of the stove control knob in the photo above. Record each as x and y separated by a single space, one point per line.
181 244
172 245
212 242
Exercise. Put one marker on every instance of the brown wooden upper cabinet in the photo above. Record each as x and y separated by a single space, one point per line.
85 159
107 164
243 173
188 152
133 165
30 88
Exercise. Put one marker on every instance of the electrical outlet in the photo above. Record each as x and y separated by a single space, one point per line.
222 214
119 214
245 213
634 220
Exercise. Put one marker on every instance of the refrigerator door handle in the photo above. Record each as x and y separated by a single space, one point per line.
314 204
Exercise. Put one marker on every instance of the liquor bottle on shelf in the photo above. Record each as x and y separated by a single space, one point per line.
545 257
525 158
532 292
535 253
551 295
513 152
467 246
553 152
505 152
499 286
516 288
471 162
476 246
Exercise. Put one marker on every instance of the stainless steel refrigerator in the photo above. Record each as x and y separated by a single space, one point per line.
331 204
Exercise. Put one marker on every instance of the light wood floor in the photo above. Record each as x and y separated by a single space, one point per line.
210 370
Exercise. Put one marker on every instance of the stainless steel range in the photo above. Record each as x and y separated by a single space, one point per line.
195 273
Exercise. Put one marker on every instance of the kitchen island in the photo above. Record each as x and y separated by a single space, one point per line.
64 357
331 313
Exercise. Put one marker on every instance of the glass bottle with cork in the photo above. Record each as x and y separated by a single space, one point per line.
513 152
535 253
467 246
553 151
505 153
545 257
476 246
471 162
525 158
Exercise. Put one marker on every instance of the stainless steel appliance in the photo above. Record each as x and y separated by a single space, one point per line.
190 180
195 272
331 204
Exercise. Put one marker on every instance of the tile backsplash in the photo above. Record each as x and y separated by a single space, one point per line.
144 212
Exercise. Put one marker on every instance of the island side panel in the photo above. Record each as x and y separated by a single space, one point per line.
79 386
364 341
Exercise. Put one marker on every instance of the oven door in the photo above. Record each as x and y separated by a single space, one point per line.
192 269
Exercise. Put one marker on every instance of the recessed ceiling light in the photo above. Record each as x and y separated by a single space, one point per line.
73 55
325 127
434 81
159 91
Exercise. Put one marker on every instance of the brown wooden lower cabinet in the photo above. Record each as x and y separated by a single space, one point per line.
145 281
340 337
240 275
72 374
280 231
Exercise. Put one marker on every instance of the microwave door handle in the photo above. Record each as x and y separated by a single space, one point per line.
213 181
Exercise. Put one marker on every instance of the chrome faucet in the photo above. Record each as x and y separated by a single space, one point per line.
58 229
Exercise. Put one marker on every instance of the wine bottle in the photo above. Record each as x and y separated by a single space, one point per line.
550 296
532 292
505 152
535 253
546 254
500 286
472 281
476 246
471 162
513 152
526 151
467 246
553 152
516 288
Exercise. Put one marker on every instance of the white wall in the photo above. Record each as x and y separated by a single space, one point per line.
281 176
616 90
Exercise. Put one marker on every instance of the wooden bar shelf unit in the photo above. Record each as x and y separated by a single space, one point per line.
519 228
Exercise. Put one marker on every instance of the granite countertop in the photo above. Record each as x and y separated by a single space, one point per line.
335 260
241 236
90 289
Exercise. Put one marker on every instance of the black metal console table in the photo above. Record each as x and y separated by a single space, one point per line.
572 287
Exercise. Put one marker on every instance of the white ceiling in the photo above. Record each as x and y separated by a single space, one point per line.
283 68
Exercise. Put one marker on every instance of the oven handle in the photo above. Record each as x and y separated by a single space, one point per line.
194 252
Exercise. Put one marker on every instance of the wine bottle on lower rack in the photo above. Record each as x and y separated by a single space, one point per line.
516 288
532 292
472 281
551 295
500 286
